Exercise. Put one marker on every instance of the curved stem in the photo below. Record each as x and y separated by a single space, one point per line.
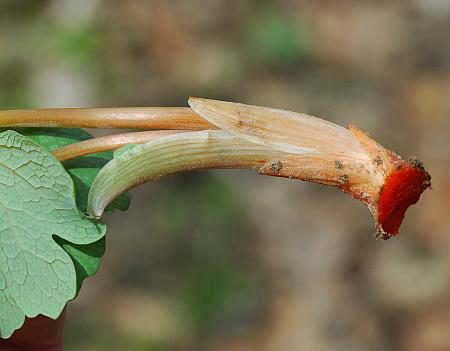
169 155
107 143
120 117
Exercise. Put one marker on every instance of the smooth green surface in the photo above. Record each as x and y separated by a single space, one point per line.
86 258
37 202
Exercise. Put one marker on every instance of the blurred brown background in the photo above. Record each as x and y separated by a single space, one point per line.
229 260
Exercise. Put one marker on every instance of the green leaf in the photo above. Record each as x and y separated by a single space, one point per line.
83 171
86 258
37 204
52 138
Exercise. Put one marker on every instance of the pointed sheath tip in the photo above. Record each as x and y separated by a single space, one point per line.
194 99
196 103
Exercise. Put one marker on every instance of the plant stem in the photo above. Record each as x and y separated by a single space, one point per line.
109 142
150 118
207 149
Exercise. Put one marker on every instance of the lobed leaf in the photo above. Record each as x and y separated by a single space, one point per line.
37 276
83 171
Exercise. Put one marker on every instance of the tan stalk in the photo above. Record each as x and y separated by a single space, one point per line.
107 143
150 118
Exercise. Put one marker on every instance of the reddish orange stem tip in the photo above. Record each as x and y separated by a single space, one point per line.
402 188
